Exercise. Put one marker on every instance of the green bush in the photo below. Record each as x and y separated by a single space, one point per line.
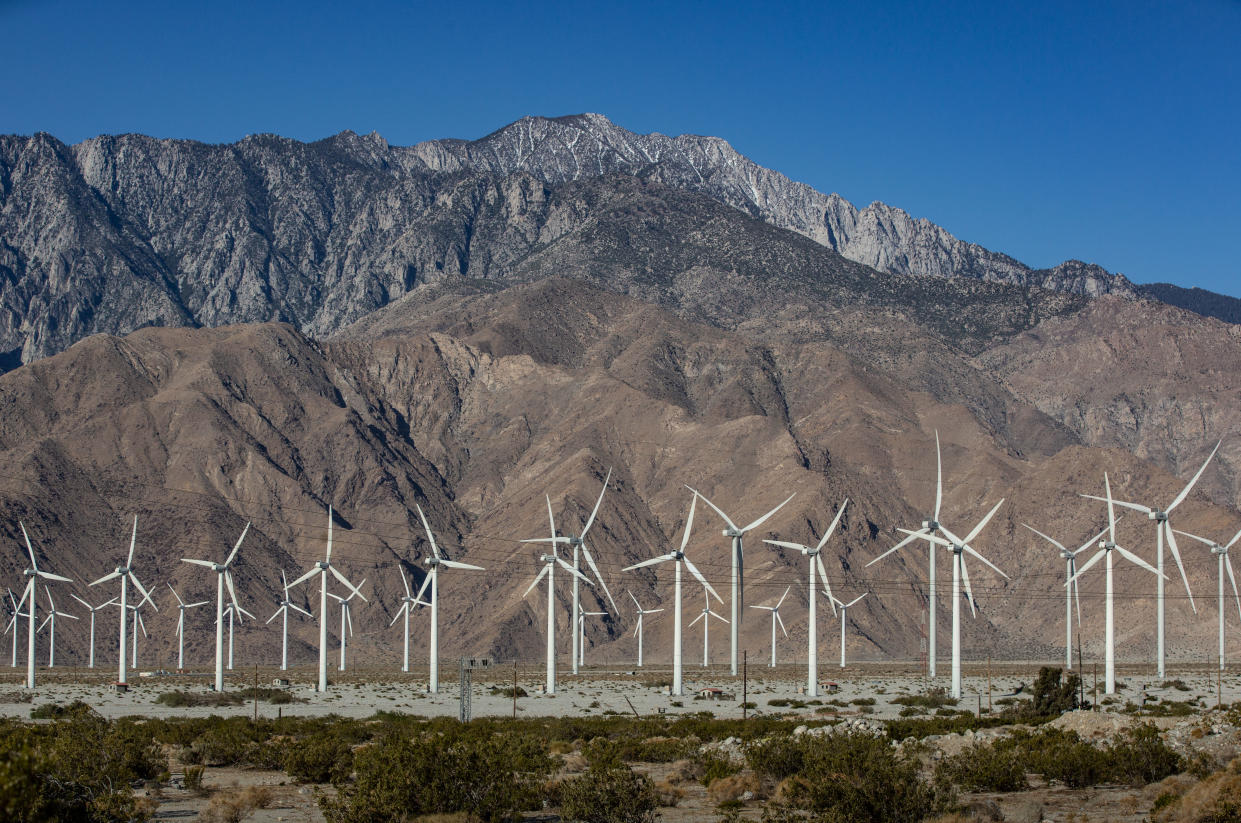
1141 757
319 758
984 769
934 699
715 766
609 792
1052 697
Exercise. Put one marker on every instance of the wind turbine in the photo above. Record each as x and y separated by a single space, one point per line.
959 548
1106 547
32 574
1071 593
182 606
816 562
233 610
550 561
14 613
637 632
52 614
581 627
705 616
125 574
678 557
346 619
578 542
738 563
92 610
1164 529
930 527
844 621
1225 562
407 603
322 568
285 605
139 622
775 617
432 579
224 577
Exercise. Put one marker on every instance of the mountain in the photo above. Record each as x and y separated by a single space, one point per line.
117 233
1199 301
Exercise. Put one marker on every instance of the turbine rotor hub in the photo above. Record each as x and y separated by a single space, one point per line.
733 532
1158 517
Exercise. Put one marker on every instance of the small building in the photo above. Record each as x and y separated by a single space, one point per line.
711 693
830 688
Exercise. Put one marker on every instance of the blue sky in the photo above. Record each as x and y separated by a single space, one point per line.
1104 131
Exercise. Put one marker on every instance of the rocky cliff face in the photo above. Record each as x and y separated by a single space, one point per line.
117 233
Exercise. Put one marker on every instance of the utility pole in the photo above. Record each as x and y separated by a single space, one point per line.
514 689
256 692
464 712
745 682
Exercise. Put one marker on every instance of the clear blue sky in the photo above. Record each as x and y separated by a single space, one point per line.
1106 131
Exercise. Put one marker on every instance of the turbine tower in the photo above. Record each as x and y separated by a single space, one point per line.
581 628
930 527
223 578
1225 563
139 622
844 621
1163 529
14 613
738 568
285 605
959 549
1106 547
432 579
816 562
407 603
642 613
92 610
550 561
182 606
775 618
1071 593
705 616
33 574
346 617
52 614
323 568
578 542
126 575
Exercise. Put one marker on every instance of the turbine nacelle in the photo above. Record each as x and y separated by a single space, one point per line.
930 525
731 532
1158 517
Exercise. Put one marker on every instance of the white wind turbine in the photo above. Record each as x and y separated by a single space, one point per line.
224 577
816 562
642 613
775 618
432 579
323 568
14 613
233 610
844 621
1225 563
1163 529
1106 547
679 557
285 605
550 561
578 542
139 623
930 526
408 602
738 564
581 627
52 614
959 548
182 606
126 575
705 616
92 610
1071 593
33 574
346 618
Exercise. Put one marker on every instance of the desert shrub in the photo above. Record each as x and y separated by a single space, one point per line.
180 699
854 778
507 691
235 805
776 757
194 779
920 727
225 744
655 749
863 701
1140 756
445 769
714 766
1052 697
668 794
1216 799
1178 684
56 711
609 792
983 768
936 698
733 788
319 758
1060 755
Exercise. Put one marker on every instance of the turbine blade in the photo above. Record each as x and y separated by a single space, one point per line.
232 593
689 522
50 576
1050 540
764 518
780 602
635 600
1176 555
349 619
133 542
590 521
1233 541
939 477
982 523
435 549
932 538
34 564
590 561
404 608
405 583
44 623
780 620
1138 507
827 587
697 574
1203 540
426 581
284 581
971 550
1077 588
1232 577
297 608
453 564
1185 491
352 588
550 518
835 522
193 605
80 600
969 592
718 510
542 573
561 562
911 538
233 554
141 589
700 616
273 617
662 558
106 578
1133 558
787 545
206 563
174 594
1094 540
1079 572
716 616
856 599
328 559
